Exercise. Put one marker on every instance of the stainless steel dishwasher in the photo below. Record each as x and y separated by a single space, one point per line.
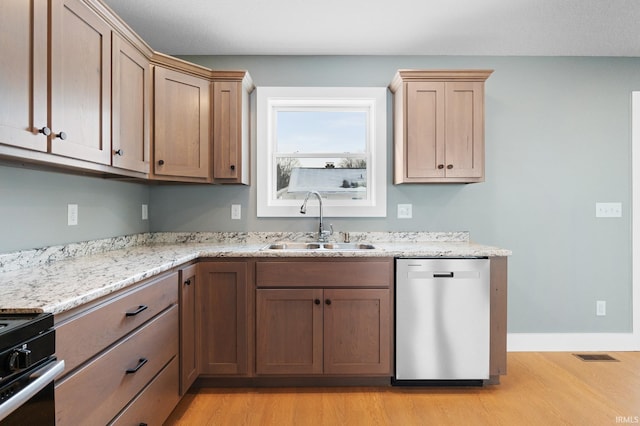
442 320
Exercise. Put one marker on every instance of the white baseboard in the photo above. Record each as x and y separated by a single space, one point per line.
570 342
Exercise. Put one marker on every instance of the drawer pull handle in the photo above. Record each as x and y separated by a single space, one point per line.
137 311
141 362
443 275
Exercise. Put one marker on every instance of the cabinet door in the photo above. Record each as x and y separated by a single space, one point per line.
289 331
222 317
464 152
80 82
188 332
131 103
357 332
425 130
181 127
227 130
23 71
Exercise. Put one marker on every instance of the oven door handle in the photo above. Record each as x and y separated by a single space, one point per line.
43 377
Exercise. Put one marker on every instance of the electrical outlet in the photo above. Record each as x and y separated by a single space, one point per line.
405 211
145 212
236 211
601 308
72 214
608 209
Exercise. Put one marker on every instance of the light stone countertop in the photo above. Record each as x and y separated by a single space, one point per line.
61 278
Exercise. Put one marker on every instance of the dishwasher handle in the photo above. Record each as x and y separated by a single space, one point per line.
443 275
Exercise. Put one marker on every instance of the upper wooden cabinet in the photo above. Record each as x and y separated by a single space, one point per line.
439 126
77 124
231 157
130 106
23 107
81 90
80 82
181 127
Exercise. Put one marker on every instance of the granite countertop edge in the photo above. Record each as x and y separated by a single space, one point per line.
66 284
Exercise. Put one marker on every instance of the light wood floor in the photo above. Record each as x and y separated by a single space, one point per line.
539 389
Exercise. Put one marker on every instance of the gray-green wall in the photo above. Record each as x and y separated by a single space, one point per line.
558 141
33 208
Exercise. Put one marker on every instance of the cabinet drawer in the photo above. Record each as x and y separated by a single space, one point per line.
98 391
92 331
325 273
155 403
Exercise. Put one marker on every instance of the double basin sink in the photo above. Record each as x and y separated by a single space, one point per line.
318 246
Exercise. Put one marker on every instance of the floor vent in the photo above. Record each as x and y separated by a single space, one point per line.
596 357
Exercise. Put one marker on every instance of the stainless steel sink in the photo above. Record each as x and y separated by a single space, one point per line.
318 246
348 246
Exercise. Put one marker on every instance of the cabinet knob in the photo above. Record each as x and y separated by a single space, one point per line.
440 166
187 282
160 162
45 131
61 135
450 166
119 152
233 167
328 301
317 301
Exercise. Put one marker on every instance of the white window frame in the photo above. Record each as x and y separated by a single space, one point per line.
271 99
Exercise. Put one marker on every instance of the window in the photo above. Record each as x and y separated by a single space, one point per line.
331 140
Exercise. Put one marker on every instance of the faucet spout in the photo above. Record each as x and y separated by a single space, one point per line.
323 234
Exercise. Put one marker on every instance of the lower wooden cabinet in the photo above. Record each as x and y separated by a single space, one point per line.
222 298
289 331
156 402
189 359
357 332
120 350
316 331
104 386
338 331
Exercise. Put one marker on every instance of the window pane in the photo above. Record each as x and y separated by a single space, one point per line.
321 131
343 178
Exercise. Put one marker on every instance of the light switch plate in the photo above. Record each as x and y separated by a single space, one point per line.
145 212
405 211
72 214
608 209
236 211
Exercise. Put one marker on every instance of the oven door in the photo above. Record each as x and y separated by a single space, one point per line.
29 399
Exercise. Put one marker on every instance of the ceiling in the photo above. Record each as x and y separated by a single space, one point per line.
386 27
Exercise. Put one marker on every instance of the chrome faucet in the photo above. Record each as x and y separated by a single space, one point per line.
323 234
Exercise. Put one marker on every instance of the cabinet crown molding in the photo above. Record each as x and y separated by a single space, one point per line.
405 75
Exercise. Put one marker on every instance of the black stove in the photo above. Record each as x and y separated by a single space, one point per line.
25 340
27 368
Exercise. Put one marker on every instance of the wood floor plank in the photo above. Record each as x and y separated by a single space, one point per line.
540 389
